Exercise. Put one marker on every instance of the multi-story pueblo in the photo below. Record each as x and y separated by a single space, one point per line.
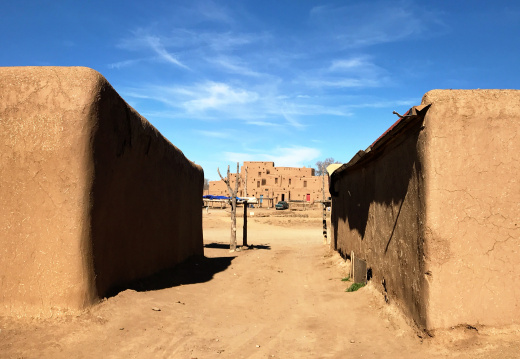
265 181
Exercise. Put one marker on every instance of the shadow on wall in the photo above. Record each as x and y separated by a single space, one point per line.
146 213
387 184
197 269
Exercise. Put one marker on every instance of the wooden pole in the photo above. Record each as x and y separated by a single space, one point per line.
324 206
244 233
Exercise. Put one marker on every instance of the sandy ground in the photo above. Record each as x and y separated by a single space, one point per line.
281 298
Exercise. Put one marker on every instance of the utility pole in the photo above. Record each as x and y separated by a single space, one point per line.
324 206
233 195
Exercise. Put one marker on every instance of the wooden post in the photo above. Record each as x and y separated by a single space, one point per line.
324 206
244 233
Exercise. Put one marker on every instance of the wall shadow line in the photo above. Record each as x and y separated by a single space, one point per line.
196 269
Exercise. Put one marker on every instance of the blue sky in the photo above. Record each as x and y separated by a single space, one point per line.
292 82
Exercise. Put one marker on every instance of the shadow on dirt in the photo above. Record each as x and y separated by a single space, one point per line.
226 246
197 269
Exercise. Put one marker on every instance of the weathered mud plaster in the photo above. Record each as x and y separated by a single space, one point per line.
434 209
472 226
91 195
378 213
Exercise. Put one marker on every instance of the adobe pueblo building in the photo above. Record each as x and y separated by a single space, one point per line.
264 181
433 206
92 195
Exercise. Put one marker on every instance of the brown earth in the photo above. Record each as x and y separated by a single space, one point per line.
281 298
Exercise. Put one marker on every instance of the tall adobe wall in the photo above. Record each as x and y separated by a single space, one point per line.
472 228
91 195
434 209
378 213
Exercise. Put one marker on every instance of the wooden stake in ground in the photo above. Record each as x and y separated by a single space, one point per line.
233 195
244 233
323 170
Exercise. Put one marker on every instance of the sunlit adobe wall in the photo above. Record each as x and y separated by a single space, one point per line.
92 195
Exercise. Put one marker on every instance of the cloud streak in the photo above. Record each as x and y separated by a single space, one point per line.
295 156
371 23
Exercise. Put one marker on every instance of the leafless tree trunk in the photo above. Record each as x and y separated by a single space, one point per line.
245 185
233 195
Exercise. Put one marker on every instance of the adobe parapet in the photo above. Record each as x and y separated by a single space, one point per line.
92 195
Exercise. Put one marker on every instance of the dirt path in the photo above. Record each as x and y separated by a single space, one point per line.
282 298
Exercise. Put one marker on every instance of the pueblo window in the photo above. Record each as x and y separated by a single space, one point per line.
304 183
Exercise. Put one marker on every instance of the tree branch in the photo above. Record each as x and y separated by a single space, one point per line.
222 178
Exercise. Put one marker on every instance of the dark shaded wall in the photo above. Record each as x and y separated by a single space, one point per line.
146 197
378 212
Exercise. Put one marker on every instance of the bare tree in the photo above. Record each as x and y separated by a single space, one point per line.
322 166
245 185
233 195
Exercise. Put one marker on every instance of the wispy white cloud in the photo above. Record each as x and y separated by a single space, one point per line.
222 101
263 123
345 83
351 64
352 72
209 10
290 118
371 23
294 156
142 40
385 103
156 45
225 41
214 95
214 134
233 65
124 63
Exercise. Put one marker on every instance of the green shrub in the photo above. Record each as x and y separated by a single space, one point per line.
354 287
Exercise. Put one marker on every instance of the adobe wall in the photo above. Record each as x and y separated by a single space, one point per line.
91 194
435 211
378 211
473 207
